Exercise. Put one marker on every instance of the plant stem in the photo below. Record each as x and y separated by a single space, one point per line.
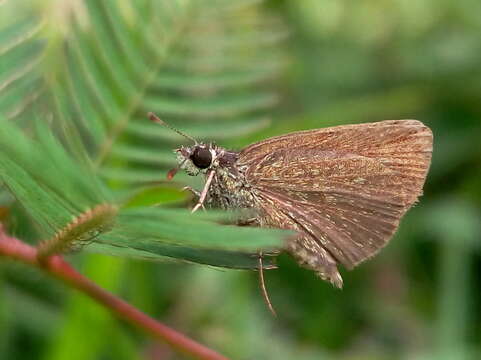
56 266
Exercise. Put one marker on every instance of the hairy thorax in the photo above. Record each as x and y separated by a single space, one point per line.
230 190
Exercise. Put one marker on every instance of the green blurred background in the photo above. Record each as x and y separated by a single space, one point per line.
302 64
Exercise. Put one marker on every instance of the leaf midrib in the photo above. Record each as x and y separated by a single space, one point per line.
121 125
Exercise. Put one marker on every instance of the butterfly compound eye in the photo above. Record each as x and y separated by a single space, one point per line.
201 158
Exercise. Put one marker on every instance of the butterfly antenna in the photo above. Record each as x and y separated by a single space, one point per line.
157 120
262 285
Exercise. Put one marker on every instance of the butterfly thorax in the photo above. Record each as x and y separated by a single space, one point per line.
229 188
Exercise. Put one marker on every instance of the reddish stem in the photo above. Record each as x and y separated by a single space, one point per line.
59 268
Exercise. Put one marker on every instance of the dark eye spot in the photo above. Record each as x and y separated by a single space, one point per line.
201 158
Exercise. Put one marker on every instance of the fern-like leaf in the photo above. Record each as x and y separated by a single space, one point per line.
201 66
72 207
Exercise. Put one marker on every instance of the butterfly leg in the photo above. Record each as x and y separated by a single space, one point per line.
248 222
192 190
263 288
204 192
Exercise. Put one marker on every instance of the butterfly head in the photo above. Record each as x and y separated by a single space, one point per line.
197 158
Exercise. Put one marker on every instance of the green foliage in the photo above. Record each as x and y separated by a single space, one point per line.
197 65
90 71
93 74
101 88
44 179
31 171
21 57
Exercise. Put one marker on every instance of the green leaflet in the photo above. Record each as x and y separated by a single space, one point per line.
157 251
184 228
21 53
44 179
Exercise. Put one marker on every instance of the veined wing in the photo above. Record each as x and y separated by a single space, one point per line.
347 186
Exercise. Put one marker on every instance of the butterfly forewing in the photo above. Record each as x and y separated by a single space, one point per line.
344 189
